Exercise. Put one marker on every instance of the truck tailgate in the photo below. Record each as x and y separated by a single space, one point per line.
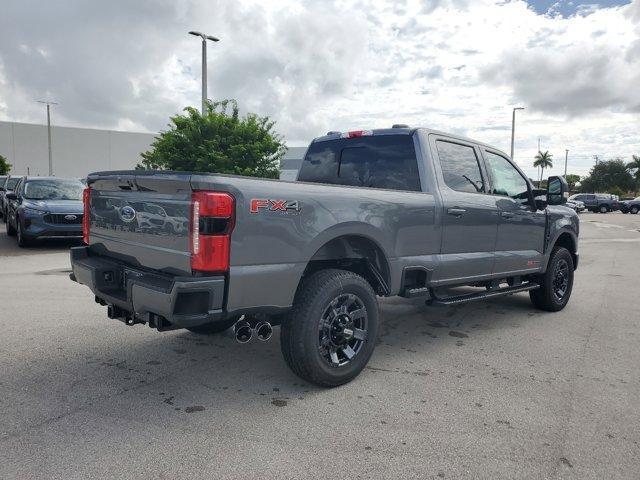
142 219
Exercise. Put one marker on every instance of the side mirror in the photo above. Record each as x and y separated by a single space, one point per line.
557 191
11 196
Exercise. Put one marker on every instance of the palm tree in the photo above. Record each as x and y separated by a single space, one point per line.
543 160
635 165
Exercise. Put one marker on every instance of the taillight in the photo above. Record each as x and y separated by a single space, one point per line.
86 203
212 219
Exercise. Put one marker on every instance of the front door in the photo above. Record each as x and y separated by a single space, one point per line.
521 230
469 217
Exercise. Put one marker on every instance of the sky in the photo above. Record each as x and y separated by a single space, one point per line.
454 65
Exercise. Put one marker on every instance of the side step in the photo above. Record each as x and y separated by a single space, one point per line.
498 292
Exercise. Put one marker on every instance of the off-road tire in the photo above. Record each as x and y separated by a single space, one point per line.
213 328
299 332
544 297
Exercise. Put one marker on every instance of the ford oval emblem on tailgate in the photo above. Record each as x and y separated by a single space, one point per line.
70 217
127 213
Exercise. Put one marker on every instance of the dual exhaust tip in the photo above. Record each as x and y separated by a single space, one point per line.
244 331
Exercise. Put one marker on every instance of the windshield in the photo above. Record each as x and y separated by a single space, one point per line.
11 183
53 190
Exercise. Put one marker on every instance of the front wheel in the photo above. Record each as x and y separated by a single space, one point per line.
634 210
604 209
556 283
329 335
23 240
11 231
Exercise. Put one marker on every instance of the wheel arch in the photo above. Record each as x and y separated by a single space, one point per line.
567 240
358 253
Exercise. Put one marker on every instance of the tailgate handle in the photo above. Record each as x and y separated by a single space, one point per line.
456 211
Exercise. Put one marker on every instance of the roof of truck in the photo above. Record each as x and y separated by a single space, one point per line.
402 131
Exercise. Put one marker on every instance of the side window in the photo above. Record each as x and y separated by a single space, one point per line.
507 181
460 167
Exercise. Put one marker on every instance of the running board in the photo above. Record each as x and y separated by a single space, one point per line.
498 292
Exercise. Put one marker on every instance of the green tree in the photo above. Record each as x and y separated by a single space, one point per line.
606 175
218 142
5 166
634 169
572 180
543 160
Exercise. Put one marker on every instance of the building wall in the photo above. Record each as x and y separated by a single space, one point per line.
76 151
80 151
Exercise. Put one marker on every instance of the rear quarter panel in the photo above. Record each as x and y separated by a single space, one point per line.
270 249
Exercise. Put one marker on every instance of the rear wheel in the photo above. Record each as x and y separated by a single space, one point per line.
329 335
215 327
556 283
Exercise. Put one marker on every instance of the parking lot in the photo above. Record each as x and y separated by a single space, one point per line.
486 390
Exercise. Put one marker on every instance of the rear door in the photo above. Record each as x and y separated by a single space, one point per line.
590 201
469 216
521 229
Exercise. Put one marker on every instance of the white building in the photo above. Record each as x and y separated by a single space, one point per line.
79 151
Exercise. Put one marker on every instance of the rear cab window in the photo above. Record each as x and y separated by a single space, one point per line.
377 161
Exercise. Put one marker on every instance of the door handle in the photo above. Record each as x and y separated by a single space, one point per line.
506 214
456 211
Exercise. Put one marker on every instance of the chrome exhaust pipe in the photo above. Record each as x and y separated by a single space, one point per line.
264 330
243 331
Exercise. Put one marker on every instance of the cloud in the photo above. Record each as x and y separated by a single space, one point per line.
571 72
313 66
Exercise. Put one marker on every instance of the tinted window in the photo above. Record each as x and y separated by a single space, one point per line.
12 182
460 167
385 161
506 179
53 189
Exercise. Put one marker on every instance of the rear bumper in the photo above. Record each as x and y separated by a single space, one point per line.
150 297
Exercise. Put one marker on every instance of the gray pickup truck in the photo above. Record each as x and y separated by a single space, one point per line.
399 211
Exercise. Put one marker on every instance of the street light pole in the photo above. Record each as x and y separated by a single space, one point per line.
513 127
204 38
566 157
48 104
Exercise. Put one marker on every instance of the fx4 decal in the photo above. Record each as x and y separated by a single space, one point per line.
285 206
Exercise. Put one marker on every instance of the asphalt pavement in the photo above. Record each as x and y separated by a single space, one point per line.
492 390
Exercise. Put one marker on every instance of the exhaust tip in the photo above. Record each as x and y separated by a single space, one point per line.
264 330
243 331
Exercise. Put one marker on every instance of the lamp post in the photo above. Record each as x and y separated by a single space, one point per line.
513 127
566 157
48 104
204 38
